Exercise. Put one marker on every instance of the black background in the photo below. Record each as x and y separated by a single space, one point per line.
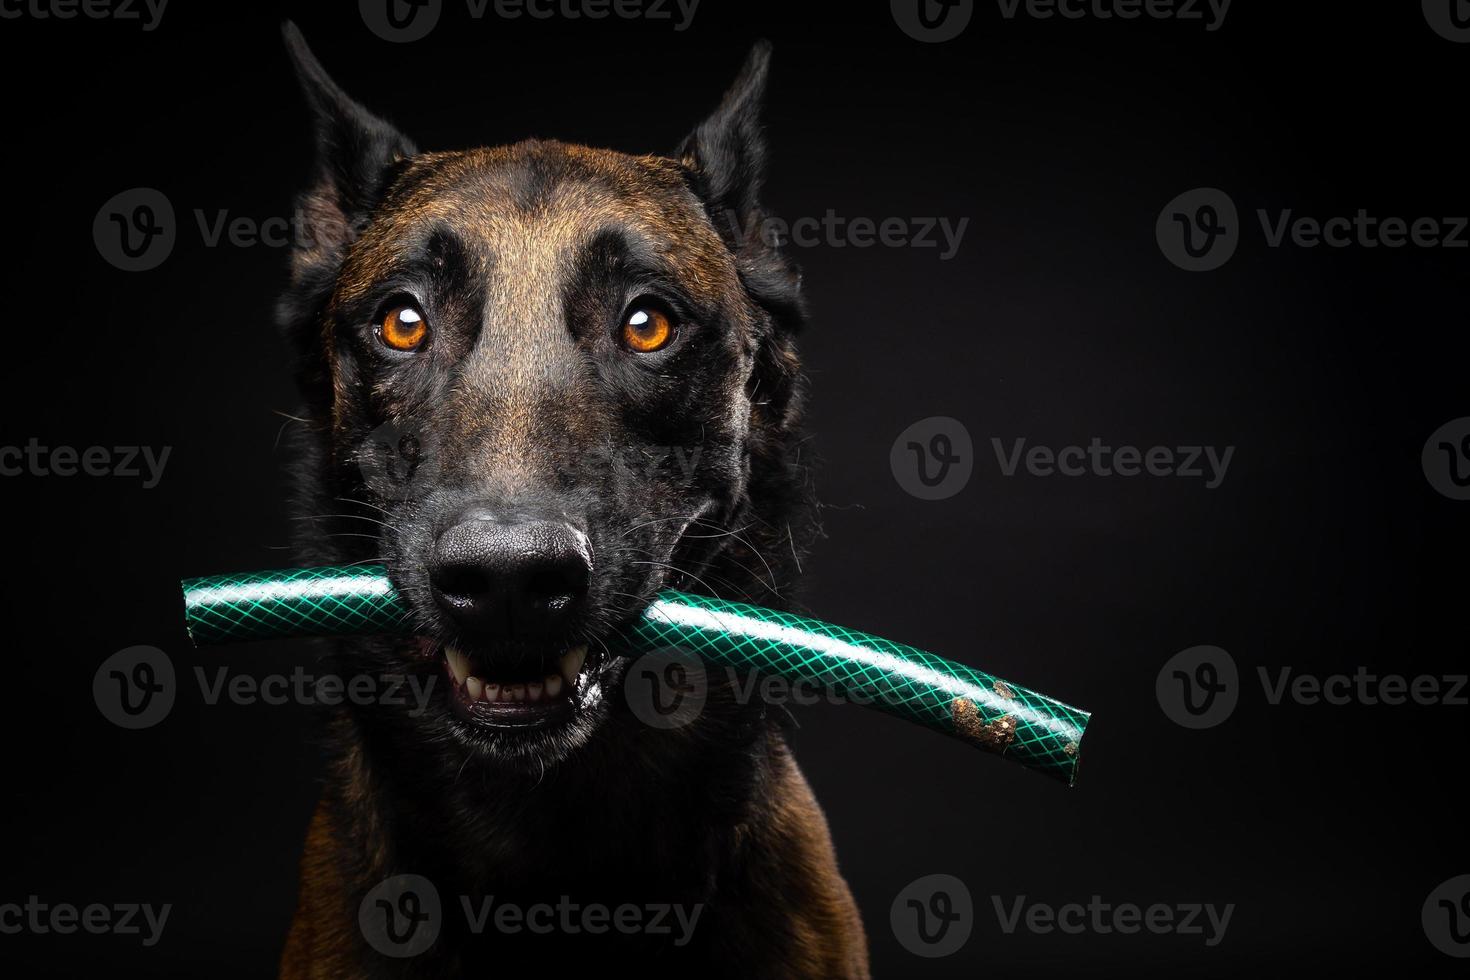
1059 320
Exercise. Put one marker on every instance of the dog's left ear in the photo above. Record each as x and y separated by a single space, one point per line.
727 153
726 158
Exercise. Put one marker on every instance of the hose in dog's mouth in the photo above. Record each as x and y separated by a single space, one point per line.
1007 719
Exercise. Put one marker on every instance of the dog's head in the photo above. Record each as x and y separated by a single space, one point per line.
543 382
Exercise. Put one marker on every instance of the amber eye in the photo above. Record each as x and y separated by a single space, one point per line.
647 329
403 328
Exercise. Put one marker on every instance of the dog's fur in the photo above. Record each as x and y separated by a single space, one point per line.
522 258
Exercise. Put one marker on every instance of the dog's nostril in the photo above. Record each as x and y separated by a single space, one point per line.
498 575
557 583
463 582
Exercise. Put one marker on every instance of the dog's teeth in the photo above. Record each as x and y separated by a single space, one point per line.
553 685
492 692
571 664
476 688
515 692
533 690
459 664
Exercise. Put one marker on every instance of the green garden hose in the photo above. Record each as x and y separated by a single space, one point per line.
1004 718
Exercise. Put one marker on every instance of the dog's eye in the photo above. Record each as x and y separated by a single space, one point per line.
646 328
403 328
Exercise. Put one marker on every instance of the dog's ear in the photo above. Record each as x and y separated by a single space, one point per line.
354 150
355 154
727 152
725 157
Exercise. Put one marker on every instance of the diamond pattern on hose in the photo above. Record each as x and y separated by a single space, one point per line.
1027 727
331 601
1004 718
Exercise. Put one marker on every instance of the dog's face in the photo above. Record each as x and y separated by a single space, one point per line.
582 382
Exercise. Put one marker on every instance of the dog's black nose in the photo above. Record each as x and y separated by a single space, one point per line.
502 575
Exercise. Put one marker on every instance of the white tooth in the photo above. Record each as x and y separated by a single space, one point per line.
553 685
515 692
459 664
492 692
533 691
571 663
476 688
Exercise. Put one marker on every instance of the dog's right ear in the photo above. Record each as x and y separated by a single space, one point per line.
354 152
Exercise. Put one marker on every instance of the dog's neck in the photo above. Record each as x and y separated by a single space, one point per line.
629 811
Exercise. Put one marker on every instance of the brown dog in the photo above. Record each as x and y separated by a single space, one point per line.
581 366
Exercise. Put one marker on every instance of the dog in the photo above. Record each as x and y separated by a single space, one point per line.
585 364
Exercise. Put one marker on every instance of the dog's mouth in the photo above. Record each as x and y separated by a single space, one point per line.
534 690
